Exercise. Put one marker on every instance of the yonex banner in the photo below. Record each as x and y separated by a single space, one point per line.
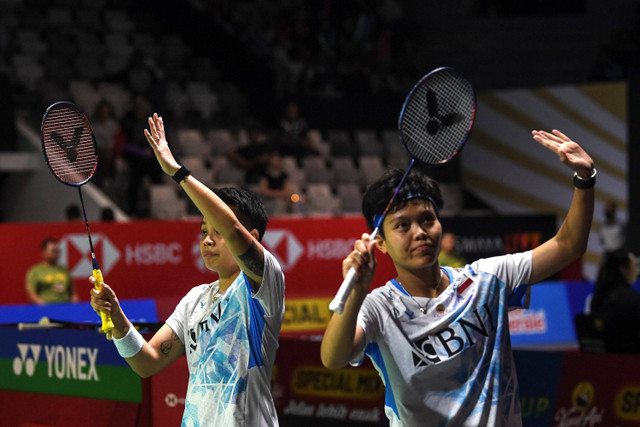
65 362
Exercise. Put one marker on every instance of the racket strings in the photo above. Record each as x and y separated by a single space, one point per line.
69 146
437 117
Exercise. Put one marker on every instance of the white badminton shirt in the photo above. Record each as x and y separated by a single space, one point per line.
452 365
230 345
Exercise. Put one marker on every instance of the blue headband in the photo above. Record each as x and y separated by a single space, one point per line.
377 219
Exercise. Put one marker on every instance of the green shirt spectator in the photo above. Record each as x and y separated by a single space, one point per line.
49 282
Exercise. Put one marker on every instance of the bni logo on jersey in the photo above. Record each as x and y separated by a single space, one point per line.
62 362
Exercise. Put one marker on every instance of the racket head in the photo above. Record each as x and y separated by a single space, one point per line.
437 116
68 144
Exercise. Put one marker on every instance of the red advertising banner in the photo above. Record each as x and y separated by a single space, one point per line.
161 259
598 390
302 389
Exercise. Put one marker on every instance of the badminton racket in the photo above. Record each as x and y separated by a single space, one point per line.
69 149
434 124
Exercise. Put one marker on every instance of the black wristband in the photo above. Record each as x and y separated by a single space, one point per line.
182 173
584 184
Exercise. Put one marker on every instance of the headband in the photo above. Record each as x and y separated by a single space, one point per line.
377 219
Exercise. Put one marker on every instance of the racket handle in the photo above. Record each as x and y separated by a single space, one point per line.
337 305
107 324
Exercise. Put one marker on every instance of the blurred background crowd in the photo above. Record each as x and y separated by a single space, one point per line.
295 100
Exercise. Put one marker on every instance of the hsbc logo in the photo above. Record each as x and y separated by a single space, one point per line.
281 243
284 246
75 252
171 400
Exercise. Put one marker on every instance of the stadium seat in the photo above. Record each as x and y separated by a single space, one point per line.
88 18
203 99
320 200
58 17
318 143
118 21
296 175
165 203
146 43
198 167
371 169
28 70
177 100
29 42
316 170
345 171
341 143
368 143
192 143
350 198
225 172
117 95
222 141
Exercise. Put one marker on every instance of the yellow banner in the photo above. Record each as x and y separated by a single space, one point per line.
361 383
627 403
310 314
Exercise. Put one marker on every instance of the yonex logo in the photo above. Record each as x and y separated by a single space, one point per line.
284 246
26 361
75 252
62 362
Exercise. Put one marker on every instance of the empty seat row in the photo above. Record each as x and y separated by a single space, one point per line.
317 200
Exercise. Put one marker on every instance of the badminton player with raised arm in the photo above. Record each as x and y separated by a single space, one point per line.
229 328
439 336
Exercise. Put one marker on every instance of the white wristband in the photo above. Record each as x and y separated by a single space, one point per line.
130 344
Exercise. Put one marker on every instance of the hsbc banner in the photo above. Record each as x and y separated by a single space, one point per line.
161 259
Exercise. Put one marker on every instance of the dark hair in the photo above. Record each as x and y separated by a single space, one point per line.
45 242
379 193
610 277
72 212
107 214
247 207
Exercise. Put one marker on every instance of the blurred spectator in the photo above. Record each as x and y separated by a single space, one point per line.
448 255
141 163
107 132
106 214
252 158
142 75
275 188
617 303
293 139
49 282
612 233
72 213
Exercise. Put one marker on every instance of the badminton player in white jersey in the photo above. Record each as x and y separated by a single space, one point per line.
439 336
229 328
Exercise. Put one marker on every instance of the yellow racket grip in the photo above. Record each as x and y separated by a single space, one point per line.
107 324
